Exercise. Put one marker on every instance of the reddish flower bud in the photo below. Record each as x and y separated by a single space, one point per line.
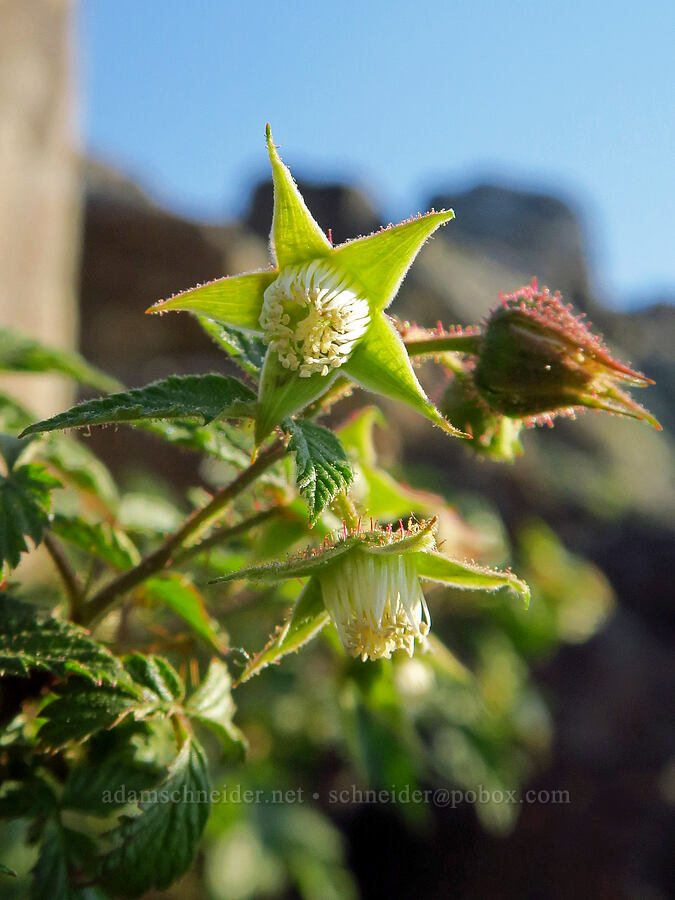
537 359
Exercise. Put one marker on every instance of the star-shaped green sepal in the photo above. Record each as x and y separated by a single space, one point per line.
320 308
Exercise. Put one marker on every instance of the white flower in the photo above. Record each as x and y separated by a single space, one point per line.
376 604
312 318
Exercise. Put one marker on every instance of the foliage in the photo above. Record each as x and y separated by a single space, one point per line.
121 728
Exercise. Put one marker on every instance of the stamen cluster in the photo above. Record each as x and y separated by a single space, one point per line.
312 318
376 603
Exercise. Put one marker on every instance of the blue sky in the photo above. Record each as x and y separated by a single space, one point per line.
403 98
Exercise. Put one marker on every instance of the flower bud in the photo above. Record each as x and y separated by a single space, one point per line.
537 359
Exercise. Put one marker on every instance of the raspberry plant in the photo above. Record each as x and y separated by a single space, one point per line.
121 674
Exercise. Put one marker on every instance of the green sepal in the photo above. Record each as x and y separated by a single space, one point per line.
421 541
379 262
299 567
435 567
380 364
295 237
307 619
235 300
283 393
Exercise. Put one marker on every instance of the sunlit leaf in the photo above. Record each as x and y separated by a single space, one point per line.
176 397
322 467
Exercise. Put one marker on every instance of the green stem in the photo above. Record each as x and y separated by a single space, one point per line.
454 343
111 593
68 575
220 535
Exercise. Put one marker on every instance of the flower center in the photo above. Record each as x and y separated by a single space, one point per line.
312 318
377 604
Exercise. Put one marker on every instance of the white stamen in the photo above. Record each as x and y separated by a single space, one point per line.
312 319
377 604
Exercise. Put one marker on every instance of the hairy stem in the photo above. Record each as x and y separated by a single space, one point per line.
344 506
455 343
111 593
220 535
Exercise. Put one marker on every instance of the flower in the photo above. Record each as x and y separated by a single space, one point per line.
320 309
537 360
368 584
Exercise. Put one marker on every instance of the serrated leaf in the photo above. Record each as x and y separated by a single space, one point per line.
156 675
247 350
32 639
307 619
156 847
178 594
25 497
176 397
23 354
436 567
100 787
99 539
213 706
322 467
11 448
78 712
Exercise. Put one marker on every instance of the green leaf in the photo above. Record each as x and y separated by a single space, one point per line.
23 354
156 847
5 870
50 872
32 639
379 262
176 397
217 439
296 237
80 711
100 539
101 786
24 510
307 619
178 594
283 393
213 706
236 300
76 464
13 416
32 798
380 364
435 567
322 467
247 350
158 678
